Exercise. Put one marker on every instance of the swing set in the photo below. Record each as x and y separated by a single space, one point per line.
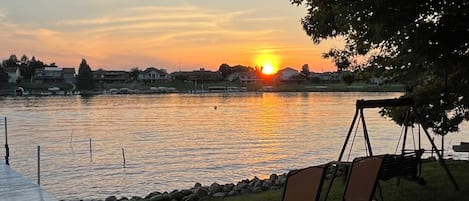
407 164
364 173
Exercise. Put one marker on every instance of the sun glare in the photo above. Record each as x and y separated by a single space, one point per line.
268 63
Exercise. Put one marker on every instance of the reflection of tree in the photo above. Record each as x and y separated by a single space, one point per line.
424 44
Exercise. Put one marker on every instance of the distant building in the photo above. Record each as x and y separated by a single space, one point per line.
13 74
152 75
68 75
201 75
290 75
244 77
105 76
48 75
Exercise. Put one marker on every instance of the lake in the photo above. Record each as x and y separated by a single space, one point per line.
172 141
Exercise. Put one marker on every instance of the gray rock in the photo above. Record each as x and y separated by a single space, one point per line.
201 192
111 198
162 197
152 194
219 194
197 185
233 193
214 188
136 198
228 187
273 177
256 190
191 197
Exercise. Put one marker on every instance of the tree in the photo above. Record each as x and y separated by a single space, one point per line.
11 62
3 76
424 44
85 79
226 69
305 70
134 73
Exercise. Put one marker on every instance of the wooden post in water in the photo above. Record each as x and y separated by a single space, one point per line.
91 152
123 157
39 165
7 149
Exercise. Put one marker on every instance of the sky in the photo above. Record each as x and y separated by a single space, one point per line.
169 34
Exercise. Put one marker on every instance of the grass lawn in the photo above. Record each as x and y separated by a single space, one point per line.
438 188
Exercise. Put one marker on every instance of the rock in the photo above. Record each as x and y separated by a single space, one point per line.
214 188
136 198
219 194
123 199
111 198
274 188
162 197
191 197
273 177
228 187
233 193
266 185
197 185
256 190
152 194
201 192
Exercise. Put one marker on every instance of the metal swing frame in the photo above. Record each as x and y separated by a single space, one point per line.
364 104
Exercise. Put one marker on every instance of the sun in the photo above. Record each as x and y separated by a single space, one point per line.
268 62
268 69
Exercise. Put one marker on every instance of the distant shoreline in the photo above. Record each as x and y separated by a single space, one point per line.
222 87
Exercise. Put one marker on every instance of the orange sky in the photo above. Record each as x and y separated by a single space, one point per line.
173 35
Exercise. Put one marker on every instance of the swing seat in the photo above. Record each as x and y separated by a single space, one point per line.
405 165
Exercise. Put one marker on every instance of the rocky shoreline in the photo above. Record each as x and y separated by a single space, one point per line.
200 192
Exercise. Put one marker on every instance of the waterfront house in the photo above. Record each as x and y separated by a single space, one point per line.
105 76
196 76
48 75
13 74
68 75
290 75
244 77
152 75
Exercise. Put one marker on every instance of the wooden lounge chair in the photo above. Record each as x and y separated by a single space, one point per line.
363 178
304 184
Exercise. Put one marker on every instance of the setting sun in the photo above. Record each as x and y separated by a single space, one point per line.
268 62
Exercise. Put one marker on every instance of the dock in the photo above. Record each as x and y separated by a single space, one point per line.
16 187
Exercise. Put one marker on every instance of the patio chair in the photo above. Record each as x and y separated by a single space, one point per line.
363 179
304 184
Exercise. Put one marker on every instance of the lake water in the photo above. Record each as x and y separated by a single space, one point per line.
173 141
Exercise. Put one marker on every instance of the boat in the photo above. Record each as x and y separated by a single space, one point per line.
462 147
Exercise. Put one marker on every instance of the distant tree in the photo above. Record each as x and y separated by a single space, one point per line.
305 70
32 66
3 75
53 65
134 73
85 79
424 44
11 62
348 78
226 69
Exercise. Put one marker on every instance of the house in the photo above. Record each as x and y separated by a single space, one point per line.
244 77
290 75
201 75
48 75
152 75
68 75
105 76
13 74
